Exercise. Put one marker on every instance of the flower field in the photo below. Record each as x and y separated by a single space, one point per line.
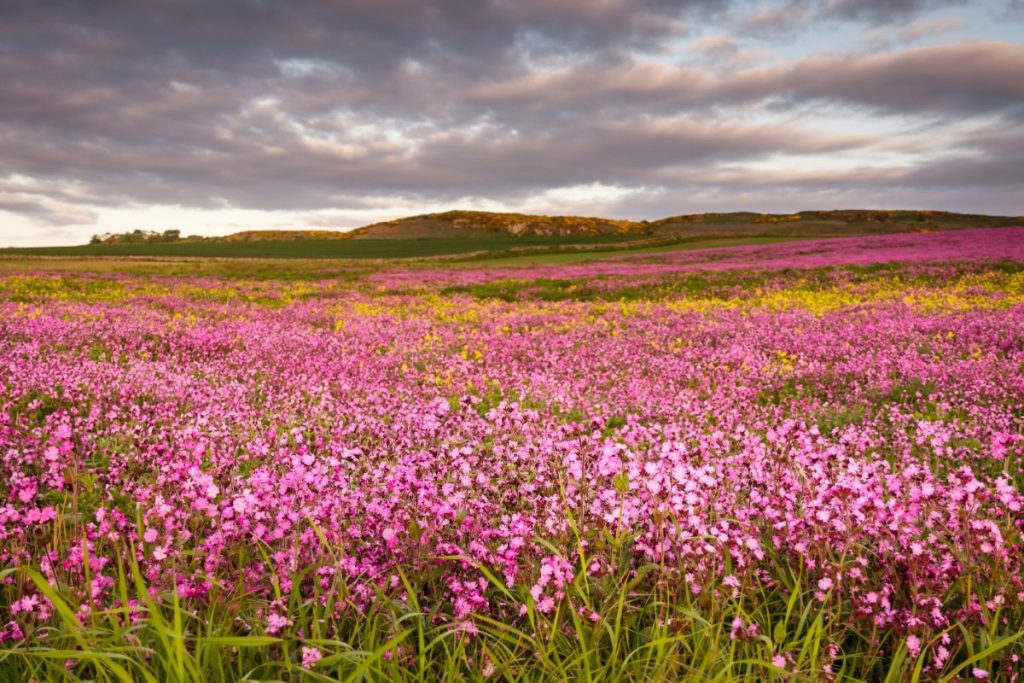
786 462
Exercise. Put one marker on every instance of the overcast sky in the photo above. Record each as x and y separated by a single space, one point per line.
213 117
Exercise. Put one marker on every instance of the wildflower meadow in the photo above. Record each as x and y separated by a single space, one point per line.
789 462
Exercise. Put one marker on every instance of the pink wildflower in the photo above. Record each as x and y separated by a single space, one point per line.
276 622
310 656
27 604
11 632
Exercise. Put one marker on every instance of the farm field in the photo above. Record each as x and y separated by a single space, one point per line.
325 248
298 258
518 239
796 461
584 256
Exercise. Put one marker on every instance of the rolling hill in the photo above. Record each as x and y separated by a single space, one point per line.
478 224
502 235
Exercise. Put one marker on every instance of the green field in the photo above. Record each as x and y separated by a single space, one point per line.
327 249
563 257
304 257
281 260
484 245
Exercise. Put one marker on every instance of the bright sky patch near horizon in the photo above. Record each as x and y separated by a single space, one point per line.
251 114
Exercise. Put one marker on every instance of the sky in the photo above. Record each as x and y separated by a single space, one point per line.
215 117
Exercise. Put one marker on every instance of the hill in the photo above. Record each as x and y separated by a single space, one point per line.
484 235
284 235
485 225
462 224
479 223
823 223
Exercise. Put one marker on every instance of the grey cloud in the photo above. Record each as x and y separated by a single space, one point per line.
310 106
783 20
111 67
884 38
775 21
778 20
976 77
286 171
591 86
47 212
956 183
960 172
882 11
1014 10
366 36
924 28
984 175
968 78
694 199
608 152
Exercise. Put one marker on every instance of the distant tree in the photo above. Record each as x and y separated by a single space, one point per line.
137 236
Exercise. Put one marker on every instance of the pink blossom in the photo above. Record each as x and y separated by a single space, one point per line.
276 622
310 656
11 632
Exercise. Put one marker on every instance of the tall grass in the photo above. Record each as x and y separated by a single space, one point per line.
629 624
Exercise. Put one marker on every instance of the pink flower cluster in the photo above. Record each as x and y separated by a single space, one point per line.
555 575
959 245
360 438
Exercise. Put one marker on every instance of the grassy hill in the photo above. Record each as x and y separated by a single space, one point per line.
823 223
484 235
471 223
282 236
483 224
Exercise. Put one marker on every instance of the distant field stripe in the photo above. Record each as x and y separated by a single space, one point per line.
599 254
306 249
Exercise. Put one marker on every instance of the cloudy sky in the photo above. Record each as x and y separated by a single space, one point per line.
245 114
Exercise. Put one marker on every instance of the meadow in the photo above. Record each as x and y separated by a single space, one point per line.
777 462
426 247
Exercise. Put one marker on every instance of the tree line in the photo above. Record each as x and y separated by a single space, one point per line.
139 237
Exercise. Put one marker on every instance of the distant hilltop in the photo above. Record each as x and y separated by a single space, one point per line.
473 223
460 224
